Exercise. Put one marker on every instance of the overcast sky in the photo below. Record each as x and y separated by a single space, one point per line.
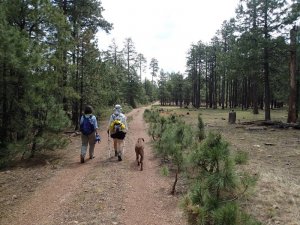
164 29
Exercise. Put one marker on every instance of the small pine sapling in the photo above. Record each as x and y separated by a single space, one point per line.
200 128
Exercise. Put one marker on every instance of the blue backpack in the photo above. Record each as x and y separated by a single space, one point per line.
87 127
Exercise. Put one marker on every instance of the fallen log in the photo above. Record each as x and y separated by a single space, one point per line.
256 128
273 124
270 144
282 125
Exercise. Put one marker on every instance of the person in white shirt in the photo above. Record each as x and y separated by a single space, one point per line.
117 128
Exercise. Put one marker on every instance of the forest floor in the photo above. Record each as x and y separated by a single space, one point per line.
56 189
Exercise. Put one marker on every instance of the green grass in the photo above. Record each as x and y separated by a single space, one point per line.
220 116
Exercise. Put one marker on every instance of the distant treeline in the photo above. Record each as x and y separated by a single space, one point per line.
249 63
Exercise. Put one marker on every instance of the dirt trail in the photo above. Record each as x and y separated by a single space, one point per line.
103 190
146 193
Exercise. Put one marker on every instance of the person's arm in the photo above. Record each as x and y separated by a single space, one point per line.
126 125
125 122
81 119
95 123
109 122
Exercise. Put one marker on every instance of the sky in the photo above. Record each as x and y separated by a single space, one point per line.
164 29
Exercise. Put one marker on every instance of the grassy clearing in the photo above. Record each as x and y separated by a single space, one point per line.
221 115
274 156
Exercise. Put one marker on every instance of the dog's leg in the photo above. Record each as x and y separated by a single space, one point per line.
141 160
137 158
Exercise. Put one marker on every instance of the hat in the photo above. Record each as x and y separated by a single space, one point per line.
118 107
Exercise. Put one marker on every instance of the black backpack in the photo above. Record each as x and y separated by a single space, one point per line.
87 127
116 125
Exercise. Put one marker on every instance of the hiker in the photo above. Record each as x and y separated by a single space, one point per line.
117 127
89 133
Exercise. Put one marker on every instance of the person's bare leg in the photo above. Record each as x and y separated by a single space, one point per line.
120 142
116 146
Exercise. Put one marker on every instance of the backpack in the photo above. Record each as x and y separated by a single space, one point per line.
87 127
116 125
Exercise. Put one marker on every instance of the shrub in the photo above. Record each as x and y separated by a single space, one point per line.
200 130
241 157
213 197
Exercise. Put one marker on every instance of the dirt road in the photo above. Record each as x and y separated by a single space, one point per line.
100 191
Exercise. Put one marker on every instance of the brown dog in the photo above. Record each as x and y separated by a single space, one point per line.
139 151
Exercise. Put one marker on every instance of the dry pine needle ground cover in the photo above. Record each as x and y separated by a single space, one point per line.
274 156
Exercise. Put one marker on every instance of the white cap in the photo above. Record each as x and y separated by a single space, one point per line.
118 107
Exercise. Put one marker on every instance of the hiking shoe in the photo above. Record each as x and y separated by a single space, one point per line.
81 159
91 157
119 158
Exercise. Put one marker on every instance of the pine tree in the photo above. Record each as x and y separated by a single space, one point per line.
141 64
130 56
175 141
266 17
212 199
153 68
200 128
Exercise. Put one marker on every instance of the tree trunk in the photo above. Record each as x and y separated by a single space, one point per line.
292 114
215 84
194 87
235 93
266 67
231 94
206 85
211 85
223 91
199 85
244 88
175 182
254 96
63 6
232 117
227 94
4 125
